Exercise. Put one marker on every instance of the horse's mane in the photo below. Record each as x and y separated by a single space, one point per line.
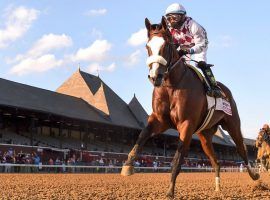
155 29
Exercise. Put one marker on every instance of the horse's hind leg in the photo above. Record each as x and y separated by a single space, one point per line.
267 166
206 142
153 126
232 125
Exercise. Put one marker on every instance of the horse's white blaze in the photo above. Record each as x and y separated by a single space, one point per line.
152 72
155 44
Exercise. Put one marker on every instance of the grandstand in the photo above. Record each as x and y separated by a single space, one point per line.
87 118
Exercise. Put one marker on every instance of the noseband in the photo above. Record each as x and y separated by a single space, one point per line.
161 60
156 59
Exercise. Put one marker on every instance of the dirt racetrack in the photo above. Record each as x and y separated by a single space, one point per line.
138 186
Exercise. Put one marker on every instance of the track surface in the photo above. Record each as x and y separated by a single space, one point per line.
138 186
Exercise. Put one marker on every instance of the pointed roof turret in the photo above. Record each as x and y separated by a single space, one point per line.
100 100
138 111
95 92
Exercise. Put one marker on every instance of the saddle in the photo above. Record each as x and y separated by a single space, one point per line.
200 76
203 79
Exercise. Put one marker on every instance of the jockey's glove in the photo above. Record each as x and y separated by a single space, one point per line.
183 52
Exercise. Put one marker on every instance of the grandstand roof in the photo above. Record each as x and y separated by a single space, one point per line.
94 91
33 98
138 111
219 138
249 142
221 135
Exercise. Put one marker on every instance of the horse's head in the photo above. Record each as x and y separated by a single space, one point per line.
263 135
259 139
161 51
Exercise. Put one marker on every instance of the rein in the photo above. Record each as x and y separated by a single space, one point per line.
191 59
171 66
169 69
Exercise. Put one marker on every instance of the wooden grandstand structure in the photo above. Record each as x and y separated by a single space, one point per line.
86 109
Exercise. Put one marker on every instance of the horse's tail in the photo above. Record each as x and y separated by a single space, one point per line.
226 90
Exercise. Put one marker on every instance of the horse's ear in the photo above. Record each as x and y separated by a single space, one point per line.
147 24
164 23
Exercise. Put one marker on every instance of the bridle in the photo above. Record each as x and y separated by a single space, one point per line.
160 59
169 64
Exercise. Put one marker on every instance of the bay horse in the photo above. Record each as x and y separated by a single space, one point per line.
263 145
179 102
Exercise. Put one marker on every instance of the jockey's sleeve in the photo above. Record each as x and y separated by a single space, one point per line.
199 36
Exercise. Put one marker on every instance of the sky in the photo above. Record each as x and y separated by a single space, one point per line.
42 43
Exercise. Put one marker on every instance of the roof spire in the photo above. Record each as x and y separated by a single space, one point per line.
97 72
79 67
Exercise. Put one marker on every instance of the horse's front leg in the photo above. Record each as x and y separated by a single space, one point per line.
128 168
154 126
186 132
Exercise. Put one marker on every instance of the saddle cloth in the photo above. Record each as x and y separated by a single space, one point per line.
219 104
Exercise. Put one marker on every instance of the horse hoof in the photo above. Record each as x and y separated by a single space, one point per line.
127 170
169 197
256 177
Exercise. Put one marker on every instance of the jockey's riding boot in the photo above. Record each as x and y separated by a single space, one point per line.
214 91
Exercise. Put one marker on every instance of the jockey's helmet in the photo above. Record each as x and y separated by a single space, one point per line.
175 15
266 127
175 8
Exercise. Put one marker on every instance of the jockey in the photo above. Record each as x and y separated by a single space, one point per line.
266 128
191 38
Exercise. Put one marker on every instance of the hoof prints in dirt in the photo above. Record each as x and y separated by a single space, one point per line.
139 186
260 186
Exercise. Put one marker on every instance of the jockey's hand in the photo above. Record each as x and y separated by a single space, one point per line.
183 52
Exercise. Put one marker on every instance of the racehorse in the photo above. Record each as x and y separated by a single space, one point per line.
179 102
263 145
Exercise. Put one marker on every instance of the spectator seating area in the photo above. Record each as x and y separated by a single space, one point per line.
94 153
